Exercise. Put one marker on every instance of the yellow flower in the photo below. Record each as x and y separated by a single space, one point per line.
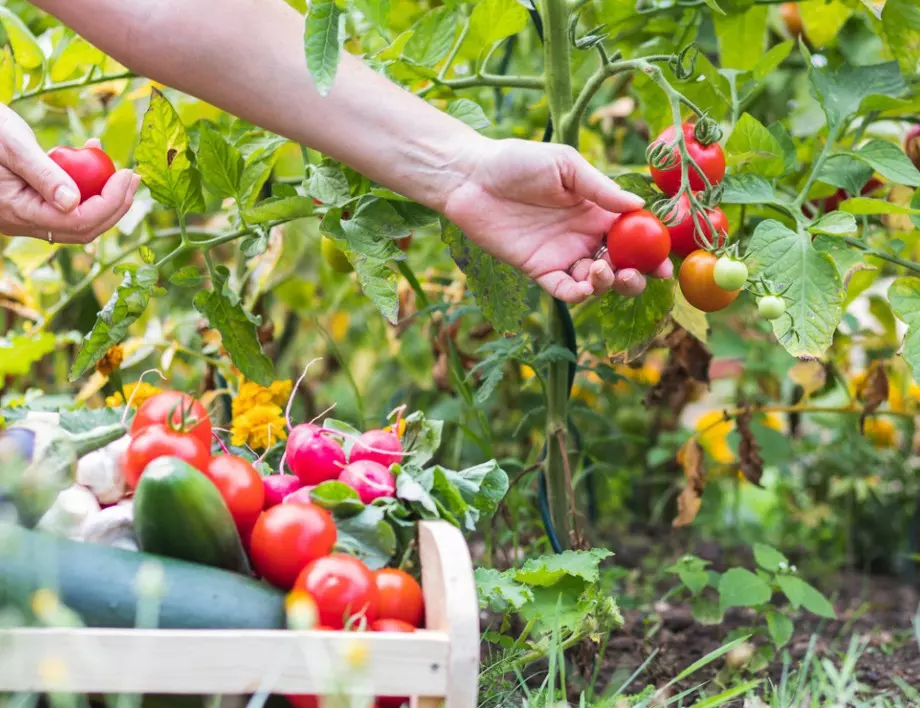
259 427
646 375
714 430
137 393
527 372
111 361
880 432
901 401
585 387
251 395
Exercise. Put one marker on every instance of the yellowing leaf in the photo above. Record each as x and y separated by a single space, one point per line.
810 375
7 76
29 253
688 317
823 20
28 53
76 55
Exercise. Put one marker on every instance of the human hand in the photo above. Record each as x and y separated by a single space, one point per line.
39 199
544 209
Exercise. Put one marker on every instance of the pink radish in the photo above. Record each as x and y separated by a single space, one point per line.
313 456
277 487
378 446
299 496
369 479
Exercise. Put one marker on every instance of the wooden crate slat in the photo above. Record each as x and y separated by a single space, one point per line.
219 661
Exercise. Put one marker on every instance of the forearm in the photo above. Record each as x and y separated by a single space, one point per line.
247 57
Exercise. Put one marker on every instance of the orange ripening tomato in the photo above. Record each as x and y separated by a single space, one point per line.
791 17
399 596
698 285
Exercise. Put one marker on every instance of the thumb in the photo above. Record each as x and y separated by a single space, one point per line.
590 183
44 175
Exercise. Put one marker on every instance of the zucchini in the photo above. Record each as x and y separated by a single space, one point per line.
179 512
98 583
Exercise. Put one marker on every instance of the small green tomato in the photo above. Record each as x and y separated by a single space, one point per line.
730 274
771 307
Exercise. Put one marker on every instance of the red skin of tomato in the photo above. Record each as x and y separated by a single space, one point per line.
912 145
710 158
240 486
89 167
303 700
159 441
286 538
156 411
399 597
343 588
279 486
638 240
683 233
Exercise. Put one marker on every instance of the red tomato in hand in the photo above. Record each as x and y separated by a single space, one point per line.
286 538
683 233
171 408
240 486
159 441
638 240
710 158
89 167
399 596
343 588
698 285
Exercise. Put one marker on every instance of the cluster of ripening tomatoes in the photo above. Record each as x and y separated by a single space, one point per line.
640 240
290 540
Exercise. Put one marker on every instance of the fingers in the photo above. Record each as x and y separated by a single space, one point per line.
629 282
25 158
664 271
564 287
590 183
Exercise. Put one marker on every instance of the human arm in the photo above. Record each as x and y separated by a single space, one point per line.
541 208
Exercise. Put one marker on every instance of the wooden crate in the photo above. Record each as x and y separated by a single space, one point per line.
436 666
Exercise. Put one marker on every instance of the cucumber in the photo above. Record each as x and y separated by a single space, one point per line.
179 512
98 583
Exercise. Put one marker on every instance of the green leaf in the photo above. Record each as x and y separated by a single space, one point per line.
747 189
19 351
373 230
814 296
337 497
220 163
706 611
915 204
84 420
845 257
127 303
836 223
739 587
904 297
8 72
845 172
329 185
377 13
275 208
422 437
482 486
368 536
753 148
770 61
25 47
501 591
499 290
163 158
432 37
801 594
769 558
237 327
866 205
630 323
790 159
889 161
493 20
260 152
187 277
549 570
823 20
780 628
841 91
324 35
639 184
742 37
414 485
469 112
901 27
77 54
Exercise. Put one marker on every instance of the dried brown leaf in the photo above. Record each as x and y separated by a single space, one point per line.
748 449
690 457
874 390
688 362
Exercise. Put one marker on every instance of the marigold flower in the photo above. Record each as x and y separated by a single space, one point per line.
137 393
260 427
111 361
252 394
880 431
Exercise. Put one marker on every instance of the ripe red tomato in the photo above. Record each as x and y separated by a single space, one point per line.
170 408
343 588
683 233
89 167
912 145
303 700
159 441
638 240
399 596
240 486
404 243
699 287
391 625
286 538
710 158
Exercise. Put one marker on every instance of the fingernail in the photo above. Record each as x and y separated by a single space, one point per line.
627 278
66 197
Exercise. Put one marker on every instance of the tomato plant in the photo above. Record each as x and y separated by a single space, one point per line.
286 538
89 167
698 285
343 588
638 240
161 441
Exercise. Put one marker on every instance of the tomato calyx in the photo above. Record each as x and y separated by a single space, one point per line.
186 420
